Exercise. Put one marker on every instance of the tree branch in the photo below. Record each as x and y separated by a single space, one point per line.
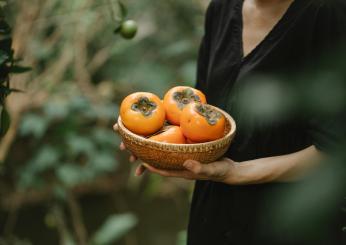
77 219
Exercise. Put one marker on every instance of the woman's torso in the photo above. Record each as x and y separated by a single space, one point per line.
223 214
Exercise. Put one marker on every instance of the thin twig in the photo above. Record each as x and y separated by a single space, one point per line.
60 223
77 219
11 221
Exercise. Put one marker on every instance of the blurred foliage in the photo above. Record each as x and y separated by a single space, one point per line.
182 238
62 143
114 228
74 154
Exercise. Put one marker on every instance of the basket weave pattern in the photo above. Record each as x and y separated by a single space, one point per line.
172 156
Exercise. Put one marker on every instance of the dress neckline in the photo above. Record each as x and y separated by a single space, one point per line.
268 36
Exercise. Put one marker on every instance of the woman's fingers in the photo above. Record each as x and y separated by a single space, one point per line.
122 146
115 127
169 173
194 167
132 158
140 170
195 170
200 169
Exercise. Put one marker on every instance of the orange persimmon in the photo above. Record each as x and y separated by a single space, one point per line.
177 98
142 113
188 141
170 134
202 123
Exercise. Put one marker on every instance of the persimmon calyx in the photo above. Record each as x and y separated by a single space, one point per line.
185 97
210 114
144 106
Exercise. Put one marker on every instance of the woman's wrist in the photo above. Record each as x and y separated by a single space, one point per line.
235 175
244 173
232 173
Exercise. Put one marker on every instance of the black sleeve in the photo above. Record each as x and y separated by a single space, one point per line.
204 50
328 129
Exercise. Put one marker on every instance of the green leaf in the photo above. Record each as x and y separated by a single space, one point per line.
105 137
14 90
20 69
6 91
68 238
123 9
80 144
117 27
3 57
5 122
3 3
56 110
45 159
28 178
114 228
79 103
6 43
69 174
4 28
182 238
33 125
103 161
59 192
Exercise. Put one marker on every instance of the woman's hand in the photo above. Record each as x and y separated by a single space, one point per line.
140 169
219 171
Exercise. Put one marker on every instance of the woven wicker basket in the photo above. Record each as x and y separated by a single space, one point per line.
172 156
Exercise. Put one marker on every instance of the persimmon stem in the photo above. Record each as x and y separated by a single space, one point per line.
184 97
210 114
144 105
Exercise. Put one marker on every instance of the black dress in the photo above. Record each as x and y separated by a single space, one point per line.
223 214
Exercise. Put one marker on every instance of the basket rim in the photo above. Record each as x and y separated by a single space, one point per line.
230 134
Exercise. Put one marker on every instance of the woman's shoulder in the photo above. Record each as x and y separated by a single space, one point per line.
332 12
332 3
222 8
331 6
330 21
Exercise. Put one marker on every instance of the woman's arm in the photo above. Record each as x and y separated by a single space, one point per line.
282 168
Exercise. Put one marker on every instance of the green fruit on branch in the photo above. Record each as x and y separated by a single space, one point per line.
128 29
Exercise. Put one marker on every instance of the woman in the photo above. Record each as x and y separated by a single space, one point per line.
244 38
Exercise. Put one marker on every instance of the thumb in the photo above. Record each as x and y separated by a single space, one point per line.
193 166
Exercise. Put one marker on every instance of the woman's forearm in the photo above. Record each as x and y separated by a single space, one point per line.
283 168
